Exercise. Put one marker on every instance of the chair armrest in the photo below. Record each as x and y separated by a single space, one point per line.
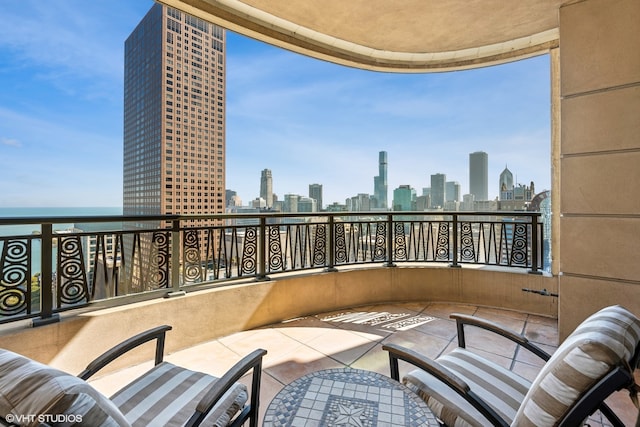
463 319
442 373
158 333
398 352
220 387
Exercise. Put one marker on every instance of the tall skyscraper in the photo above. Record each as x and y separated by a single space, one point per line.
266 187
506 185
315 192
380 181
438 190
174 127
479 175
174 115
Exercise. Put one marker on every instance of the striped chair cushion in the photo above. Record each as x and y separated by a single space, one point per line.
601 342
502 389
167 395
29 388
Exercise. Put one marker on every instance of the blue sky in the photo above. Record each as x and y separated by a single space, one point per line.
61 71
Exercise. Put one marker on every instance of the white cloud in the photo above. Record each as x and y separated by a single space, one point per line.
10 142
74 45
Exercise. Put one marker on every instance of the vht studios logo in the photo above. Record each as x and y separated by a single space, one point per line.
43 418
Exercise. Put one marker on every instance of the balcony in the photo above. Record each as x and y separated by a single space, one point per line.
106 260
353 337
316 290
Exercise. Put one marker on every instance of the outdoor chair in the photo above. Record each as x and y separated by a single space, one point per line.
32 393
463 388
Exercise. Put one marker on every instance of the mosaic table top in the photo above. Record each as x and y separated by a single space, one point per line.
349 398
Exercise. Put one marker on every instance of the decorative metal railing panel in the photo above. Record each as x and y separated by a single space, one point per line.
42 274
72 284
15 277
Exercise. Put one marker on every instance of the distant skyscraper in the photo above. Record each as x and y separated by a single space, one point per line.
452 191
422 203
307 204
266 187
438 190
479 175
291 202
506 185
232 198
315 192
361 202
174 115
380 181
404 198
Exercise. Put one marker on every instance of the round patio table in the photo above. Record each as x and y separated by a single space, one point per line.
347 397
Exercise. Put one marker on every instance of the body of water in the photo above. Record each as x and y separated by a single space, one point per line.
26 229
13 230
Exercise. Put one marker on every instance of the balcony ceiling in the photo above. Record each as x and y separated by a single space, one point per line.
395 36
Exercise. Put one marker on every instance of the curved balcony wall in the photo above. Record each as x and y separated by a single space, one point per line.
206 314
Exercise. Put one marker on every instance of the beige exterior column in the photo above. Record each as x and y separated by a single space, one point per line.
556 194
599 158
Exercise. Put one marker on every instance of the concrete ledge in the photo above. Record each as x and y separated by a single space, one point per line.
204 315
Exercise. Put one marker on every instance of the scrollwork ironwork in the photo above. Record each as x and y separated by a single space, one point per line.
15 277
442 246
72 275
250 251
400 251
341 244
159 260
192 258
519 245
380 248
320 245
276 261
467 248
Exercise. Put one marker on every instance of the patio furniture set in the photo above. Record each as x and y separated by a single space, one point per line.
459 388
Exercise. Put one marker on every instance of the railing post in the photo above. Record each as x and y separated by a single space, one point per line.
262 250
175 260
534 245
390 241
454 225
46 284
332 246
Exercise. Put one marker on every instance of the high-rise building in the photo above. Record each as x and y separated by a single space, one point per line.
422 202
506 185
404 198
174 127
359 203
315 192
438 190
307 204
380 181
291 202
266 187
452 191
174 115
479 175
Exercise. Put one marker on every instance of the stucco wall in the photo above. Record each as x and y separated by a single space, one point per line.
207 314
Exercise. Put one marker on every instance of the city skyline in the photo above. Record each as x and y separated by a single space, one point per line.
307 120
451 185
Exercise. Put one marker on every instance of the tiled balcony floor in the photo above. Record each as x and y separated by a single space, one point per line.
354 338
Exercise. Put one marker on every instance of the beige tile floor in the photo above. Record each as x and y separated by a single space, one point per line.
354 338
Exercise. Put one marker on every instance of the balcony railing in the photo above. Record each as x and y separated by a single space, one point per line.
118 257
